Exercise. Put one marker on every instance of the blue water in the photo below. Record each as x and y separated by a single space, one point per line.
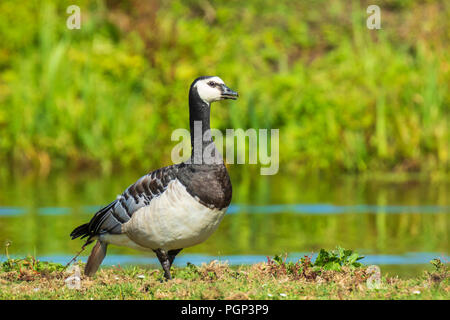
197 259
306 209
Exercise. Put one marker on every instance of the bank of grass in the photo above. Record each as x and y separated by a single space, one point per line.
329 278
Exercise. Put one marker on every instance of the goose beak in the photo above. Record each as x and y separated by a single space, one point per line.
227 93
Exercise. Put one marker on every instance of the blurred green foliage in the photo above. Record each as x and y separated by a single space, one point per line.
109 95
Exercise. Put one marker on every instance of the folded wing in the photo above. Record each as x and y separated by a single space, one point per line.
110 219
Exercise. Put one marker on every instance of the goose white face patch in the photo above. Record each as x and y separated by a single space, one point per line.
209 93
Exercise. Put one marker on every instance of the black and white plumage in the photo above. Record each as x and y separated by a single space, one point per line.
173 207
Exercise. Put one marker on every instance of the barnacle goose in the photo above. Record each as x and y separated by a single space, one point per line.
173 207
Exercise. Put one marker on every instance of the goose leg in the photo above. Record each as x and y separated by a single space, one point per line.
172 254
164 259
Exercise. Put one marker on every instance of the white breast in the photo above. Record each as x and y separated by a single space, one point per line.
174 220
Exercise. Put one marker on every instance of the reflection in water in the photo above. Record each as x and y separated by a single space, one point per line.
307 209
270 215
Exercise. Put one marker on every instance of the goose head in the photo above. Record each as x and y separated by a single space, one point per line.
211 89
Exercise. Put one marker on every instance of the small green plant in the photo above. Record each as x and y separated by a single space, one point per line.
326 260
438 265
290 267
440 272
336 259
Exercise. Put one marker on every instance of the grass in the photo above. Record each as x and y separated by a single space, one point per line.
333 275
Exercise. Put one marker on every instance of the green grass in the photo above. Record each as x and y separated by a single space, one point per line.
109 95
275 279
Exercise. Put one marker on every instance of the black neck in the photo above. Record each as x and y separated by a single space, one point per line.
199 113
199 122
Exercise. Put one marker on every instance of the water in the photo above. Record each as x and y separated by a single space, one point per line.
398 224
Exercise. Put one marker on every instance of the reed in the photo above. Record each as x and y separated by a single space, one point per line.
108 95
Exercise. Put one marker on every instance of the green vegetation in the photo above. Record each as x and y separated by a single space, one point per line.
275 279
29 263
335 260
109 95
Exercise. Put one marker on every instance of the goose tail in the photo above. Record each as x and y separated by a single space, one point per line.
80 231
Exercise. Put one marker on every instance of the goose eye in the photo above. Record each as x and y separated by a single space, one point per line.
211 83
